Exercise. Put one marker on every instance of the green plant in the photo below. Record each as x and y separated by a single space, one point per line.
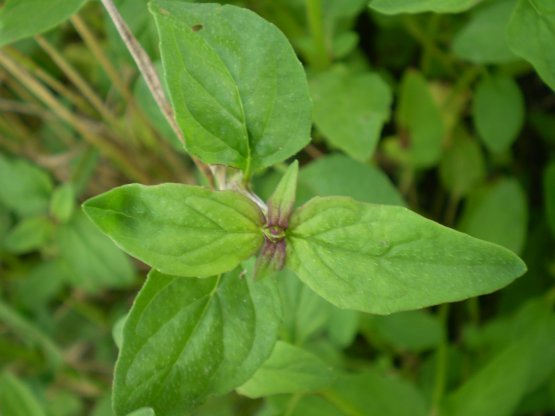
241 99
263 275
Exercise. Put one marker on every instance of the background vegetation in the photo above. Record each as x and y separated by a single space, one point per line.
446 109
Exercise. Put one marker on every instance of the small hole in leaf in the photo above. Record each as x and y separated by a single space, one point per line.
197 27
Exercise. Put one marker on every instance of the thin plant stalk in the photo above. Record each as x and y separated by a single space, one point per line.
152 80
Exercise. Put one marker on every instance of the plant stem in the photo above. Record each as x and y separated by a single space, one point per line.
320 57
441 362
152 80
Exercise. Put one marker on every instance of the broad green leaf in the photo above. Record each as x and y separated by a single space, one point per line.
383 259
419 6
21 19
187 339
62 203
16 399
497 213
405 331
92 261
339 175
531 35
482 39
462 165
498 112
498 387
351 109
420 122
238 91
549 192
28 235
289 369
24 188
179 229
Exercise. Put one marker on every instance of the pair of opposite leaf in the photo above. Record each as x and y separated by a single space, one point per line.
374 258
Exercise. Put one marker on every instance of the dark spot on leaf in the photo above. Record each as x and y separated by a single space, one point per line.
197 27
164 12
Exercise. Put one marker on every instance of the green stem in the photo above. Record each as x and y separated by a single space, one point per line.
441 362
319 57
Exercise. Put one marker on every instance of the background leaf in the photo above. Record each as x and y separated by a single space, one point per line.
340 175
239 93
383 259
497 213
16 399
179 229
500 384
498 112
304 312
24 188
62 203
462 165
420 122
186 339
482 39
289 369
530 34
406 331
350 109
29 234
92 261
20 19
363 394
